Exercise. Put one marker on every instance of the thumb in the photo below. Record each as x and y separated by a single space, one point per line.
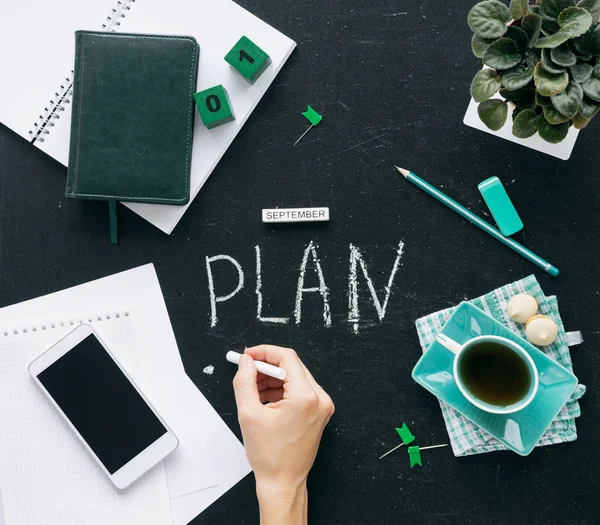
245 386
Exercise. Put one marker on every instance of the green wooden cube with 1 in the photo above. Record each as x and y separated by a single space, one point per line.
248 59
214 107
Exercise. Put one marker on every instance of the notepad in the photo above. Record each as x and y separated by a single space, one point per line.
46 473
37 62
44 468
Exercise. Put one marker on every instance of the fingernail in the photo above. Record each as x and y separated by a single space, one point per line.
244 361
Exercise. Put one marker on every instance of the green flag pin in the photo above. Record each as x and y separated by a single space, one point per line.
414 453
313 117
405 436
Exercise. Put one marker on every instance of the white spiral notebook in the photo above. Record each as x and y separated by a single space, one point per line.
37 47
46 475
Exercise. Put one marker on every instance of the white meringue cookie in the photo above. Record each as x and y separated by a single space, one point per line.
541 330
522 307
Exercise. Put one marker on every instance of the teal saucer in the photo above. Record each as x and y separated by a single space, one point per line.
519 431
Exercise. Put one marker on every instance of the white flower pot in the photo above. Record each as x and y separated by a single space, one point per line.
560 151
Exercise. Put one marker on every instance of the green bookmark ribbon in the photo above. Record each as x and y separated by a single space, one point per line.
405 434
112 213
414 453
312 116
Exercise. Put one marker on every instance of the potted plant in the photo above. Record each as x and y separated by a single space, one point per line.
544 62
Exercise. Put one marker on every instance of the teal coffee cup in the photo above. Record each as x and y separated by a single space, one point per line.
493 373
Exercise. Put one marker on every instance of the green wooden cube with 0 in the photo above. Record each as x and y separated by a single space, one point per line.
214 107
248 59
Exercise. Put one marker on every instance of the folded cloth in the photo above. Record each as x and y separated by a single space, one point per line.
467 438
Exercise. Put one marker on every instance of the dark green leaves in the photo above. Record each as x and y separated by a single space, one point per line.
580 122
575 21
593 6
532 25
479 45
523 98
552 41
589 44
518 36
553 116
562 56
512 96
493 113
485 85
517 77
541 101
569 100
488 19
591 87
550 133
549 84
547 63
581 72
550 11
519 8
525 124
565 19
502 54
527 99
589 108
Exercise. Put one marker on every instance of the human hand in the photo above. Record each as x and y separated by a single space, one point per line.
282 436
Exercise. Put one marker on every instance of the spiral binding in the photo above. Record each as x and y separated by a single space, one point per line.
62 97
62 323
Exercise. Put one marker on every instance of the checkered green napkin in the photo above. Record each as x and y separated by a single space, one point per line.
467 438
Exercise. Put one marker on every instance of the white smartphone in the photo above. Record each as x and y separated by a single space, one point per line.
103 406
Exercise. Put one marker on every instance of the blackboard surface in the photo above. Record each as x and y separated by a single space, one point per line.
391 79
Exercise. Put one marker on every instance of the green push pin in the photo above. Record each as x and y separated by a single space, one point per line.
313 117
406 437
414 453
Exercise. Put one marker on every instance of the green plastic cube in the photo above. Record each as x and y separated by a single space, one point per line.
214 107
248 59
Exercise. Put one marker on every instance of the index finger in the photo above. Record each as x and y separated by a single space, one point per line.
284 358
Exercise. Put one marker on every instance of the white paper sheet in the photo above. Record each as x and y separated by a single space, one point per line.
560 151
46 474
43 55
214 456
209 454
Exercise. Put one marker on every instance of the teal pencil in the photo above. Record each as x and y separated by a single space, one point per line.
480 223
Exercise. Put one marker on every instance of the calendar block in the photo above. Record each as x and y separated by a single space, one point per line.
214 107
248 59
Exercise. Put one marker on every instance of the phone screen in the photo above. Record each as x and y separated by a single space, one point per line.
102 404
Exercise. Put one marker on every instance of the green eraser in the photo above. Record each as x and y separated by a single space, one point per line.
214 107
248 59
500 206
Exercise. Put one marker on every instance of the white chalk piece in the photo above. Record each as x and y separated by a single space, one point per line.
263 368
295 215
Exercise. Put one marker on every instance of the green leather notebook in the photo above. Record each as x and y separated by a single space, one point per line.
133 117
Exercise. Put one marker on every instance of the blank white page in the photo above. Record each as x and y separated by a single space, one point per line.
37 49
